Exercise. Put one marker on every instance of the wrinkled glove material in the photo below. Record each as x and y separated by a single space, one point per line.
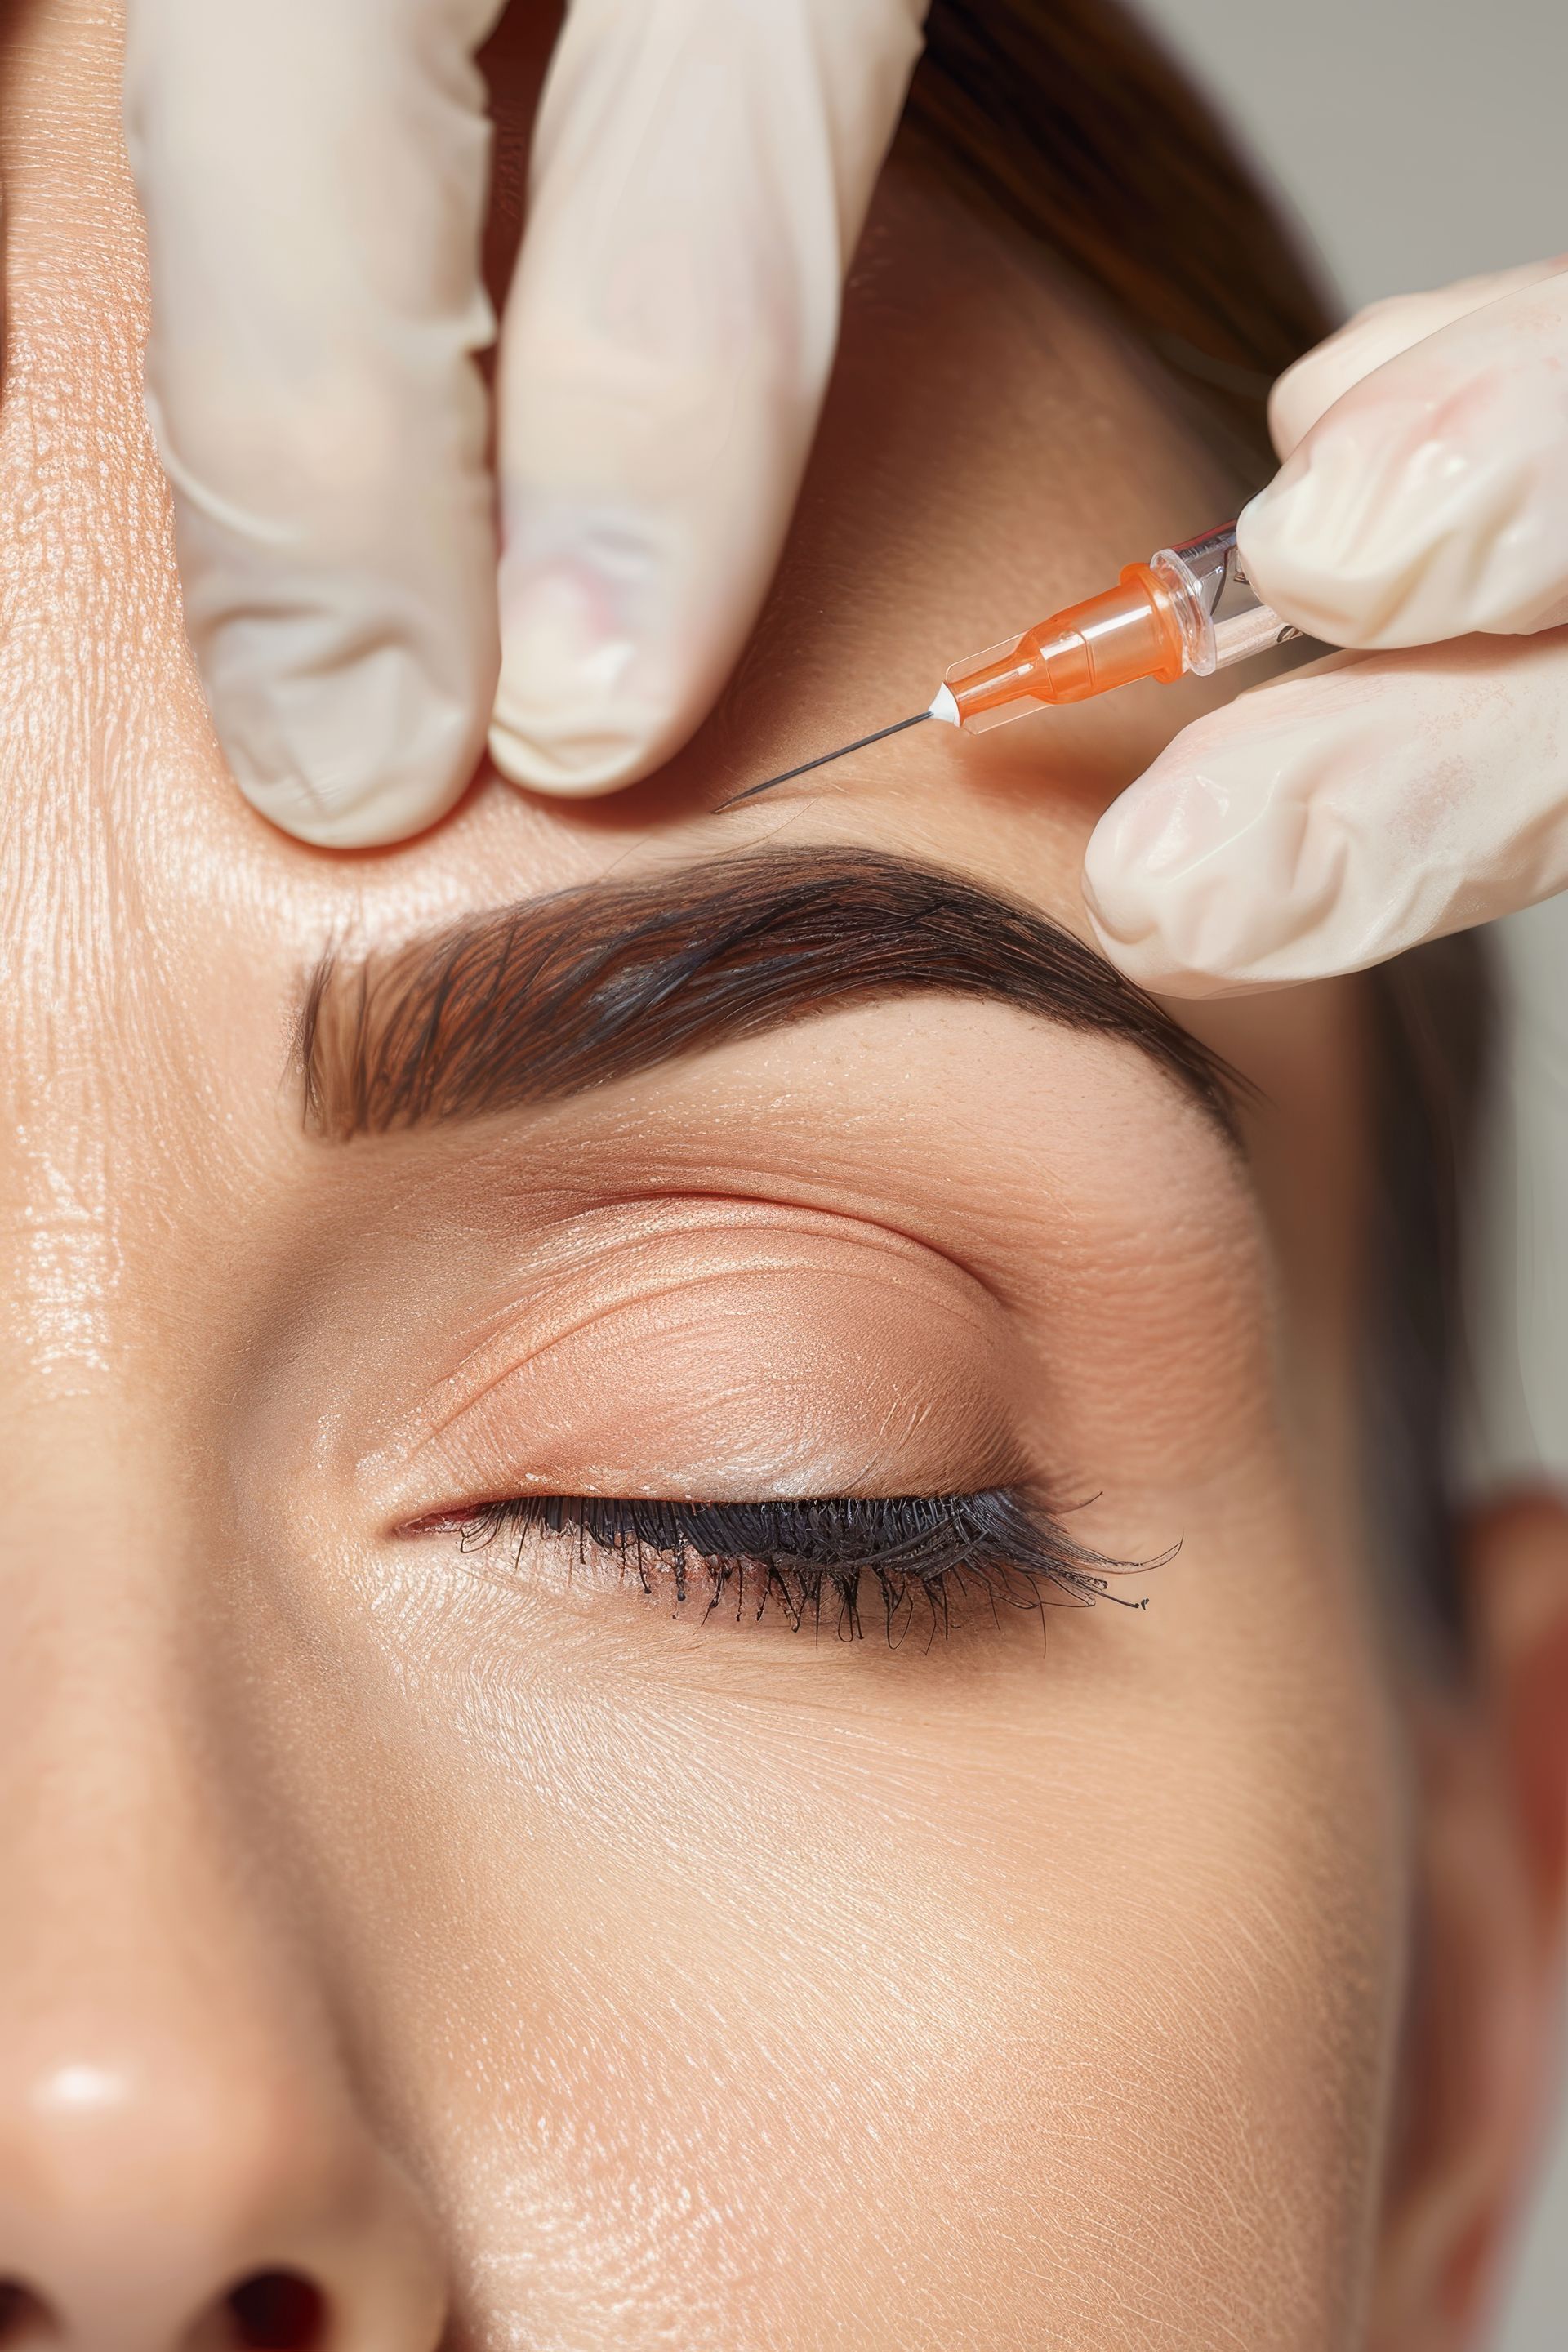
314 183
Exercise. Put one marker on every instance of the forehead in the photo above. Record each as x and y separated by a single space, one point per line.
989 450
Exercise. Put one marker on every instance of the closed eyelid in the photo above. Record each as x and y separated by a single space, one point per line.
916 1555
723 1344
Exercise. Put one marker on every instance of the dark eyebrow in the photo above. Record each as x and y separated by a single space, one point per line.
532 1002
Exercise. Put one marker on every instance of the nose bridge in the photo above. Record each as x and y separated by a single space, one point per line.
184 2157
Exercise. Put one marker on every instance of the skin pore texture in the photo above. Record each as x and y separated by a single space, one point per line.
528 1960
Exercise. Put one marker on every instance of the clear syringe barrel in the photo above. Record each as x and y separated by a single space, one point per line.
1188 608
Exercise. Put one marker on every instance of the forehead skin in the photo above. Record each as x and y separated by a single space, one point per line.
1141 2099
989 451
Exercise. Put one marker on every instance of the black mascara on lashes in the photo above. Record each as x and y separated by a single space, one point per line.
811 1559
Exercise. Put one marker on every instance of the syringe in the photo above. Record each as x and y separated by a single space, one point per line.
1188 608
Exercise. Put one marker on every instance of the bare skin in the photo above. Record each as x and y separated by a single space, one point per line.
517 1958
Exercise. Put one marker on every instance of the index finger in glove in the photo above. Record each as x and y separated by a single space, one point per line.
313 180
702 170
1425 491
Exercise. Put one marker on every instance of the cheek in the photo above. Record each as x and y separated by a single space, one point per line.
1047 2004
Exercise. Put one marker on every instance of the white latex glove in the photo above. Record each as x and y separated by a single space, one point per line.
313 176
1324 823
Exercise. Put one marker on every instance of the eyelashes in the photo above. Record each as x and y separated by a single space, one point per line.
906 1559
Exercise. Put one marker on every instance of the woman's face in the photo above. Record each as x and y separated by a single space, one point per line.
483 1934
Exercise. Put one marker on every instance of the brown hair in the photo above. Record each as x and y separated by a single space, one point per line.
1066 117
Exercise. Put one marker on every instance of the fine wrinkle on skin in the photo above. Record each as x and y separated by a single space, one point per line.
65 1259
92 656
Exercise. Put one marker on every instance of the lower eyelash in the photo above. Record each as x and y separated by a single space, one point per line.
917 1553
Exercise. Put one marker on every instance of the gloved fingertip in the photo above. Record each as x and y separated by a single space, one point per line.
1146 890
582 763
1132 943
1144 957
335 817
366 755
593 691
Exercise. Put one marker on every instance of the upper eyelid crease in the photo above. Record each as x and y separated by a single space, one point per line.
530 1004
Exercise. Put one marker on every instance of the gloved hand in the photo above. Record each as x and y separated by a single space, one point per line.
313 176
1370 802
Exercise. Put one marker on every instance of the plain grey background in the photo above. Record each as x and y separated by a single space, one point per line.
1420 140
